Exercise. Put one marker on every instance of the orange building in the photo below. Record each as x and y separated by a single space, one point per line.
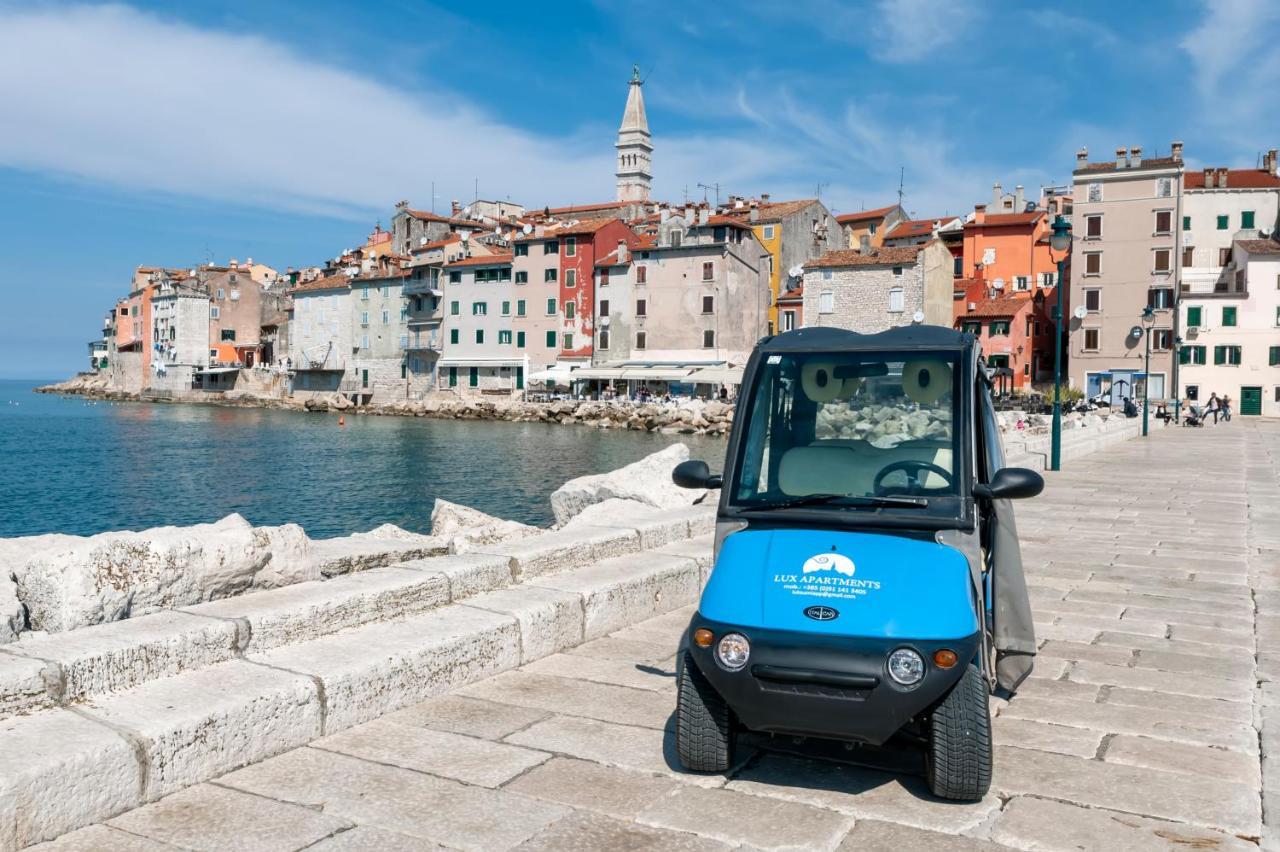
1008 291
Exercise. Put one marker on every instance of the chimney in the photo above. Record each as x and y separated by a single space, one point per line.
235 264
688 213
995 195
764 198
755 214
1082 158
1222 178
1122 158
1019 199
1176 150
704 215
980 213
1274 166
1208 178
624 253
1135 156
454 207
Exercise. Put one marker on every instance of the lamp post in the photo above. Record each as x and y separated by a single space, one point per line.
1059 250
1148 320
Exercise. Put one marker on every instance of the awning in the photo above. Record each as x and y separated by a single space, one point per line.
656 374
717 376
214 371
480 361
604 373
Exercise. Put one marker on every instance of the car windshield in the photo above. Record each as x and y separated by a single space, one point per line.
838 431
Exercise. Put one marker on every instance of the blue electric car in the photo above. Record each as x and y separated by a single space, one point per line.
867 580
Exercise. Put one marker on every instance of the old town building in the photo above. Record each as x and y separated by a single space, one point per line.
884 288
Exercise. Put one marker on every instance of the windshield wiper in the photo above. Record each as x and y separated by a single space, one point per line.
831 499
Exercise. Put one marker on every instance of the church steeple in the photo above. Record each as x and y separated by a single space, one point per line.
635 150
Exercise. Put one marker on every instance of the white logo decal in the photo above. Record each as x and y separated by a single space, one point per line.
829 562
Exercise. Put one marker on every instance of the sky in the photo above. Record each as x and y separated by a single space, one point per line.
176 134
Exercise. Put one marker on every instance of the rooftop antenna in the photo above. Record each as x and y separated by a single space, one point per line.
818 191
704 187
902 173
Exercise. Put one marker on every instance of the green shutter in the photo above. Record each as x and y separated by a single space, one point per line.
453 377
1219 355
1229 316
1201 355
1193 316
519 339
474 379
1184 355
1186 223
479 335
1246 219
1223 223
1273 356
551 340
519 378
453 336
519 307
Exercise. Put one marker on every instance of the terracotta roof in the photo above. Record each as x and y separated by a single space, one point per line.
723 221
1236 179
1260 246
583 208
450 220
378 274
328 282
451 238
915 228
896 256
1147 163
486 260
996 220
1006 306
646 241
865 215
775 211
792 295
584 226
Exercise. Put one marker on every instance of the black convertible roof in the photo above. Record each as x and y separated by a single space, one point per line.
894 339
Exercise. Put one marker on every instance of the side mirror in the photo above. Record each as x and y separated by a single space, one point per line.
1010 483
694 474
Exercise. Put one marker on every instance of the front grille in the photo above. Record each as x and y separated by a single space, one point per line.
816 690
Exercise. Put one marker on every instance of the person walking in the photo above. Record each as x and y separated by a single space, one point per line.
1212 407
1226 408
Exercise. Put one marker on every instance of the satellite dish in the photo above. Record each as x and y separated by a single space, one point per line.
918 316
796 271
604 321
1080 312
527 229
466 212
422 241
464 235
997 284
1136 332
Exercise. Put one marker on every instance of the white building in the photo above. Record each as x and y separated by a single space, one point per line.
320 334
482 349
179 335
1231 343
1220 206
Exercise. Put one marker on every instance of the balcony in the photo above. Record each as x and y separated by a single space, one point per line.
1211 282
422 287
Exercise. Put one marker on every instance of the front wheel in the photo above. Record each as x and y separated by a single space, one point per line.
704 724
959 753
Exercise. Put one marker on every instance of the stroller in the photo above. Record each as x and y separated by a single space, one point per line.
1195 417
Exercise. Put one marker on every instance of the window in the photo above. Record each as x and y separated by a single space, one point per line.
520 307
1228 355
479 309
826 302
455 277
642 274
506 309
604 307
897 301
1095 192
551 307
1223 223
641 339
641 306
228 334
1162 339
1000 328
479 335
221 295
453 377
1191 355
522 250
386 317
364 317
1278 315
570 246
124 312
454 308
1246 219
1224 256
1193 316
708 304
1229 316
1093 227
567 340
708 339
549 275
364 341
551 247
675 239
1093 263
1188 257
551 340
897 270
1047 278
1273 356
604 276
788 320
957 267
213 313
570 309
571 278
474 378
1091 340
386 291
708 271
504 338
872 228
974 328
1164 187
1164 221
718 234
1186 223
1160 298
1161 260
602 339
1021 282
768 232
519 339
453 336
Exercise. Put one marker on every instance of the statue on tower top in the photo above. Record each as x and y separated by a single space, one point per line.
635 74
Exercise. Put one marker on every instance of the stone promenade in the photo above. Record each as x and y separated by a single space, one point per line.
1154 569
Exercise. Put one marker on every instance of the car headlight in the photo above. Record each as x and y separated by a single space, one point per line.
906 666
733 651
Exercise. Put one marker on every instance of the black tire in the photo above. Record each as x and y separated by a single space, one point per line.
959 752
704 723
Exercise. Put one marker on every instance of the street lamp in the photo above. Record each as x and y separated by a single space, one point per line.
1059 251
1148 320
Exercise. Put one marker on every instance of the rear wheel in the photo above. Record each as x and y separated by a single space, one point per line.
959 752
704 724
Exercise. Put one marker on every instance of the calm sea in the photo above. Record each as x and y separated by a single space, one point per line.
81 466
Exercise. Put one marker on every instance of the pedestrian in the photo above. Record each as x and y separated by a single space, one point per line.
1213 407
1226 408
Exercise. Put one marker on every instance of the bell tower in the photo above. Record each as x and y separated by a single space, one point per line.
635 149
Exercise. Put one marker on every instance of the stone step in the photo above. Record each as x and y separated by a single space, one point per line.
63 768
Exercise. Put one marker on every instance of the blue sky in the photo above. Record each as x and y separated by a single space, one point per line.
176 133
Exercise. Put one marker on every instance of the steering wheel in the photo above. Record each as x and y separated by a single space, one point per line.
912 469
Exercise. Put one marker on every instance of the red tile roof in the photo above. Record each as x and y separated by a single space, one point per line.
328 282
486 260
1236 179
914 228
772 211
996 220
1147 163
1005 306
1260 246
896 256
451 238
865 215
723 221
582 208
450 220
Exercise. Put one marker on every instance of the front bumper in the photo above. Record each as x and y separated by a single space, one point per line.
835 687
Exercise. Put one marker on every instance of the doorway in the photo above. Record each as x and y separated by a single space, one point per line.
1251 401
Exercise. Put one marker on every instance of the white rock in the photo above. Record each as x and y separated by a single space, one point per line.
12 618
466 528
647 481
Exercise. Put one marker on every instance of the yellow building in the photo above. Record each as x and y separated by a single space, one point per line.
793 232
865 229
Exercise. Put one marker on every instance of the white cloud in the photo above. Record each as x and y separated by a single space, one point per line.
1236 69
913 30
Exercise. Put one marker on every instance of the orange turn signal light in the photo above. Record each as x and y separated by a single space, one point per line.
702 637
945 659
